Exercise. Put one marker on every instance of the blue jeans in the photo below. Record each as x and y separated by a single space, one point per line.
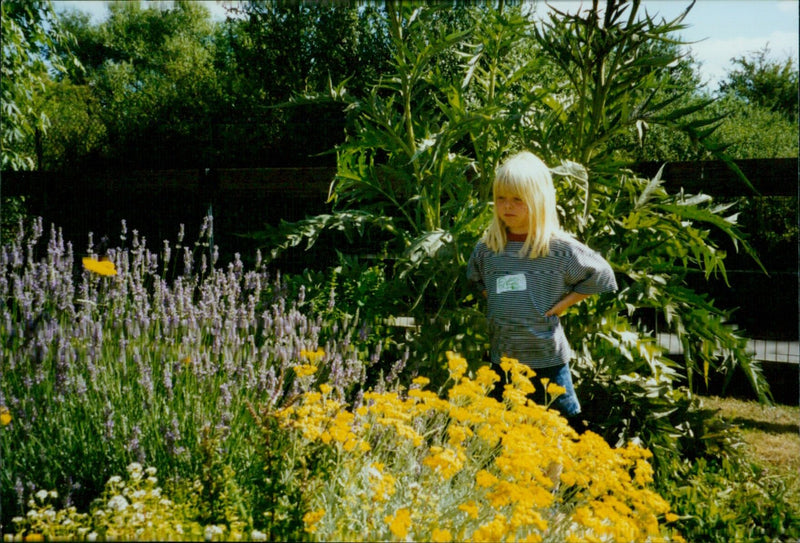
567 403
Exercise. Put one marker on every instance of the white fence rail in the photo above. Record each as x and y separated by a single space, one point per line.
764 350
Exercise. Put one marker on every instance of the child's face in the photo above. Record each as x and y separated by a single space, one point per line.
512 211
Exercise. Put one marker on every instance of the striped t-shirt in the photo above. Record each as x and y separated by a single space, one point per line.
521 290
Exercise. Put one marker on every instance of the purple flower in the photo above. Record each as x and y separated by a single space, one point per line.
109 424
188 260
133 446
225 395
172 435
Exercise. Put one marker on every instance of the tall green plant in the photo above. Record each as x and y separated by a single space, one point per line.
419 160
615 81
417 163
424 142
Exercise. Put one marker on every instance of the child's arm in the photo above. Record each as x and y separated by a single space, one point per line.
569 300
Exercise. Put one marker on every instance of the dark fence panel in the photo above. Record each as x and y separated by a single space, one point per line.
156 202
769 177
766 304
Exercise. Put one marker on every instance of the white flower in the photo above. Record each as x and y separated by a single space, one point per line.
42 495
151 471
211 531
115 480
92 537
258 536
139 494
135 471
118 503
426 144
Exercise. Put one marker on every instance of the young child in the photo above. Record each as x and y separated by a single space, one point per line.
531 271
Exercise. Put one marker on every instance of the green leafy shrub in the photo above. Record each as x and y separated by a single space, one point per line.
728 499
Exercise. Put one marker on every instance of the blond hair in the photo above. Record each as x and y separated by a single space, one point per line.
524 174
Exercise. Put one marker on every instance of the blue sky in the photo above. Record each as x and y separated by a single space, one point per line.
722 29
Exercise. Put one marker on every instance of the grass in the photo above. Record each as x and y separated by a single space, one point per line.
771 435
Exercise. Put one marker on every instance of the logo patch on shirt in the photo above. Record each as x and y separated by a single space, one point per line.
511 283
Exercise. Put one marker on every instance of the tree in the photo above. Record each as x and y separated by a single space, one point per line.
76 133
763 82
31 38
276 50
151 80
754 131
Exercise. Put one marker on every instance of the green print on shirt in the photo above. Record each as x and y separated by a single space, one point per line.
511 283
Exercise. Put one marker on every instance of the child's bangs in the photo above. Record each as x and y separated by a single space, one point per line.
509 185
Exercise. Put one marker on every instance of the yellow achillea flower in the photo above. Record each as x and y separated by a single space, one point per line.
485 479
383 484
100 267
458 434
456 364
421 381
340 431
304 370
554 390
5 416
496 455
493 530
313 356
470 508
486 377
399 523
447 462
311 519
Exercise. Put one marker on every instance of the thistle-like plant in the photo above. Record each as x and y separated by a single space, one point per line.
418 162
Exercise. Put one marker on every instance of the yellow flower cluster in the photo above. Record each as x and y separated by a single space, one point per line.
413 465
314 357
5 416
102 266
304 370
